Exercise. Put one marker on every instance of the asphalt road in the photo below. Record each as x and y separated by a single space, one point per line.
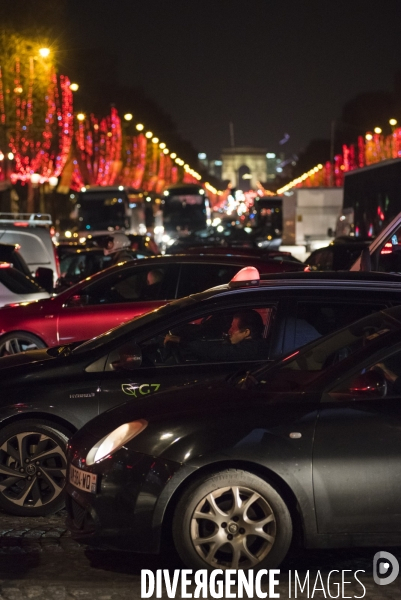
38 559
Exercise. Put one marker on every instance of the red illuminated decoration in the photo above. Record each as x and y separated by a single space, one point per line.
39 140
97 151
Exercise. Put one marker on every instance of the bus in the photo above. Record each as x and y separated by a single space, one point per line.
105 209
185 208
372 198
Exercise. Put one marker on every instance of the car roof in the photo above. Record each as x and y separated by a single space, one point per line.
337 276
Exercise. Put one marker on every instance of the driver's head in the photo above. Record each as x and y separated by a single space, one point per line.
154 276
245 324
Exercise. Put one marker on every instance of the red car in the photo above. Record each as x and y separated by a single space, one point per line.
118 294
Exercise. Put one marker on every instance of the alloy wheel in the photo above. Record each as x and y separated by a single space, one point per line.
32 469
233 527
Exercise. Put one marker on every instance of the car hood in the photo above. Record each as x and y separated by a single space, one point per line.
201 399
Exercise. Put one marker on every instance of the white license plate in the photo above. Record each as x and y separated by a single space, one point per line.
83 480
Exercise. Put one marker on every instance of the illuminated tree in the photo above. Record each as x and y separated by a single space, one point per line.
36 112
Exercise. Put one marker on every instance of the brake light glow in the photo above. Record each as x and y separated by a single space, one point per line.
387 248
5 265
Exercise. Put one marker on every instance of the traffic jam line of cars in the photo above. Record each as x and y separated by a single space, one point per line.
198 418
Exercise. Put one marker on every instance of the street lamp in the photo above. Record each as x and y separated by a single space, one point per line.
128 117
368 137
155 140
44 52
148 134
140 127
377 130
81 117
74 87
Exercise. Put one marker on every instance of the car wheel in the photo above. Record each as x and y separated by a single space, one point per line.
32 468
13 343
233 520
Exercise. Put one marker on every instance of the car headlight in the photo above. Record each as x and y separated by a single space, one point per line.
114 440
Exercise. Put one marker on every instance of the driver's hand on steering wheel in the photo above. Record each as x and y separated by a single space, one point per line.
172 338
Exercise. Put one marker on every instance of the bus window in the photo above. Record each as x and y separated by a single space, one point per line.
185 208
105 209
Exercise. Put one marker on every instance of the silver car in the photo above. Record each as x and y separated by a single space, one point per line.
15 287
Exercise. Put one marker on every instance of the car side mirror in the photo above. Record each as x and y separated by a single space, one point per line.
77 300
44 277
371 384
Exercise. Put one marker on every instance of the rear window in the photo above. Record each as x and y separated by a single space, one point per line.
18 283
33 249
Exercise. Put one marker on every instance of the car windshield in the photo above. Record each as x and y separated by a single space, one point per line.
310 361
141 320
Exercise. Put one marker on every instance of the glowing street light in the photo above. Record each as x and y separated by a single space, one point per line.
44 52
377 130
140 127
162 145
74 87
155 140
173 155
128 116
368 137
148 135
81 117
166 151
10 156
393 122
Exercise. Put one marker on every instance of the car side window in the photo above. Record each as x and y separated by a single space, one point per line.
210 338
375 381
197 277
135 284
315 319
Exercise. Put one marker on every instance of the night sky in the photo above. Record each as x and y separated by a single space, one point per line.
272 67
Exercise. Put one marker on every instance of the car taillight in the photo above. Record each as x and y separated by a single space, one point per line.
5 265
387 248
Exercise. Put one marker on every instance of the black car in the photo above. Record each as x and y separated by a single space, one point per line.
307 450
340 255
48 394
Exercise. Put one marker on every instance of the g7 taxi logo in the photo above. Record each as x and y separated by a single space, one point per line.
146 388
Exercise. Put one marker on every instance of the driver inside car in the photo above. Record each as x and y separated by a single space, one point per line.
243 342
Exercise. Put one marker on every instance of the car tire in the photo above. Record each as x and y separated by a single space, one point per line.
19 341
247 524
32 468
